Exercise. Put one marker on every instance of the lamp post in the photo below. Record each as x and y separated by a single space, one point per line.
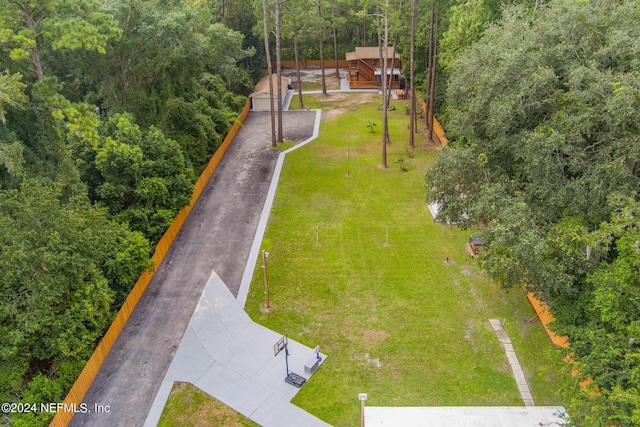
363 398
265 255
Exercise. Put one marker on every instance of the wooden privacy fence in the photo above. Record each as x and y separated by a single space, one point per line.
88 374
436 124
315 63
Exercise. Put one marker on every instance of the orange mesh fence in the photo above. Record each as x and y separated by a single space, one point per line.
88 374
561 341
546 318
540 308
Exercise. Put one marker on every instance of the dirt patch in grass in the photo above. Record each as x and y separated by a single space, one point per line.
468 271
374 337
469 333
340 103
311 78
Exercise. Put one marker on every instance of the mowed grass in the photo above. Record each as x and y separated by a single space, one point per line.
395 319
358 267
190 406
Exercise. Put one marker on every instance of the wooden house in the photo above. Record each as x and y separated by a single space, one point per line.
365 68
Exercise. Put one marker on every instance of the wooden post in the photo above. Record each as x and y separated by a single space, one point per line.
265 254
348 156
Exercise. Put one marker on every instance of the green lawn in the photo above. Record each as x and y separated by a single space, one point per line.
189 406
396 320
331 84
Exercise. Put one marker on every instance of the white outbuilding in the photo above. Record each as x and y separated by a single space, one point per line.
260 95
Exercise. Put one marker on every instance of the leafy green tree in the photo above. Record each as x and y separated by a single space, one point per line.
145 180
162 54
604 337
55 300
467 22
173 69
62 261
224 55
36 147
15 104
12 161
11 93
34 30
544 153
31 26
200 125
127 259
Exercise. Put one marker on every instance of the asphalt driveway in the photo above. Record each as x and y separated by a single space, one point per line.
217 235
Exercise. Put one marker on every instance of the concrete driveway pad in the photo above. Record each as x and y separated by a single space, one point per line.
241 370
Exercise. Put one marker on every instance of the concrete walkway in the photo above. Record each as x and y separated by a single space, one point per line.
286 101
464 416
266 211
224 353
518 373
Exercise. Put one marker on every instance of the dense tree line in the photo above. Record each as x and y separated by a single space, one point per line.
108 113
541 109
